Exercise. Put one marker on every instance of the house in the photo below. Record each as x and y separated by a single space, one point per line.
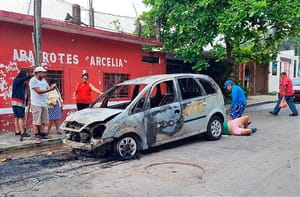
286 61
68 50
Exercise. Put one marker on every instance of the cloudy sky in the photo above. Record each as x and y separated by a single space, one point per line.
117 7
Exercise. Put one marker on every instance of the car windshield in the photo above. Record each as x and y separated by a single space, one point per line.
118 97
296 82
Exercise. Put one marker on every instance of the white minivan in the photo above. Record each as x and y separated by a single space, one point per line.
148 111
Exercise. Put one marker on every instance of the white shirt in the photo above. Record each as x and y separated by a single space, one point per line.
35 98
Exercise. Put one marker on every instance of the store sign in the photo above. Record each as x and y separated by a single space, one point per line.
21 55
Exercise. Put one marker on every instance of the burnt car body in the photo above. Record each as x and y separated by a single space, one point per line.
296 87
149 111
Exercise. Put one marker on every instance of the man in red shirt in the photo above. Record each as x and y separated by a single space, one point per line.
285 91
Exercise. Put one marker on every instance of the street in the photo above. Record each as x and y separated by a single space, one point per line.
267 163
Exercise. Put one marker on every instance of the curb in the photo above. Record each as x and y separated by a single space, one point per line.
30 145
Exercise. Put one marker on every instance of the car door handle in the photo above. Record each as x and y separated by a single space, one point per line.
177 111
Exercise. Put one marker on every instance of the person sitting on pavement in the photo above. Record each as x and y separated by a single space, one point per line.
285 92
238 126
238 99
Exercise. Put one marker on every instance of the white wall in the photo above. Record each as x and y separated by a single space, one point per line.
285 62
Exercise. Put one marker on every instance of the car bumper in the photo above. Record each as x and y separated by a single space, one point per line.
86 146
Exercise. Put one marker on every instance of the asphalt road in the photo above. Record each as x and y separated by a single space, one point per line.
266 163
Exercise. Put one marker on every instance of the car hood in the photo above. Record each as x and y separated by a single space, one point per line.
90 115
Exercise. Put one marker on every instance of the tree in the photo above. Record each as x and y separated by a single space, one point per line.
238 31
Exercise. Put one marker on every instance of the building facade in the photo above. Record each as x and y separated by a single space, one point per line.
68 50
286 61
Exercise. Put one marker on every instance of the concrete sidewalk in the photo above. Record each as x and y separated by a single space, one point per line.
10 142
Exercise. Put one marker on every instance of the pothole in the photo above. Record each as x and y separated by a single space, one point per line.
186 173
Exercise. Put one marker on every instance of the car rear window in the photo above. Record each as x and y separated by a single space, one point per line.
296 82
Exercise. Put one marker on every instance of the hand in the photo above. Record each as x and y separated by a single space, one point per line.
53 86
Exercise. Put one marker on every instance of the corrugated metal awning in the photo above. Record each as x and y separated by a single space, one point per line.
77 29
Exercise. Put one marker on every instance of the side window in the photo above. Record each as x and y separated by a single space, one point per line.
162 94
209 88
189 88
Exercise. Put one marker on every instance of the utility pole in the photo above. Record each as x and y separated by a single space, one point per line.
37 32
91 14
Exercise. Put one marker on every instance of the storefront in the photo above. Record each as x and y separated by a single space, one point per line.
68 50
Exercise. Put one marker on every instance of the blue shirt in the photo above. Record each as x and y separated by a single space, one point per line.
238 96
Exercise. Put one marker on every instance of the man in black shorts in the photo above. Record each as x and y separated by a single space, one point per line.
18 102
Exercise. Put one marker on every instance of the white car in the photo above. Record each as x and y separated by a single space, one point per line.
145 112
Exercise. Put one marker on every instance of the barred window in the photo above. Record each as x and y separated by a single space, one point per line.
56 76
110 79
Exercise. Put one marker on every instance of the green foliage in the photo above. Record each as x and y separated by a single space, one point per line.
237 31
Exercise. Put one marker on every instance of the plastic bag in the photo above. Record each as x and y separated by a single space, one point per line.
283 103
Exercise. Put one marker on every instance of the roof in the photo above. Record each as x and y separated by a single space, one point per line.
154 78
76 29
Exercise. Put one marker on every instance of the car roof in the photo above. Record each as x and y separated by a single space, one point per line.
153 78
296 82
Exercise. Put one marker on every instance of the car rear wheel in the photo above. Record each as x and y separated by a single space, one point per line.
127 147
214 128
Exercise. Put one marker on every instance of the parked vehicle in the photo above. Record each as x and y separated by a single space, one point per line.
145 112
296 83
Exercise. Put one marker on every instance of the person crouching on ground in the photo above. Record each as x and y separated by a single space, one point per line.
238 99
238 126
18 102
38 91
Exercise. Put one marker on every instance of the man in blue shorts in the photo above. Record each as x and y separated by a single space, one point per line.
238 102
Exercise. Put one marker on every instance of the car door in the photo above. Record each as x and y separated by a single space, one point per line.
194 106
164 115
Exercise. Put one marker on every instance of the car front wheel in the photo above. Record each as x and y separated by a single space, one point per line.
127 147
214 128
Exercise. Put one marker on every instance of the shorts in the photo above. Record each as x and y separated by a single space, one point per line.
39 115
235 127
19 112
237 111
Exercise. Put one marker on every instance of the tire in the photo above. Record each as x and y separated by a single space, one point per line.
214 128
127 147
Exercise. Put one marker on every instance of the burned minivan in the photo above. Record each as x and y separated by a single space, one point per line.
148 111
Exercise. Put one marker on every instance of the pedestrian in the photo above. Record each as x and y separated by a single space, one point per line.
18 102
238 99
55 104
238 126
38 91
286 92
83 92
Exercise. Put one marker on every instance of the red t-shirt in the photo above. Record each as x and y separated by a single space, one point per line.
83 93
286 81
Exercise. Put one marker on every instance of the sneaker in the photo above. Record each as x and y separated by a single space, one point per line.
25 134
253 130
44 136
272 113
248 123
37 139
293 114
17 133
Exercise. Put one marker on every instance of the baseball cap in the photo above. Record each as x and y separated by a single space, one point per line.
39 69
227 83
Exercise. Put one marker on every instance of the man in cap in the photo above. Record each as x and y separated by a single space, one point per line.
38 89
238 99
